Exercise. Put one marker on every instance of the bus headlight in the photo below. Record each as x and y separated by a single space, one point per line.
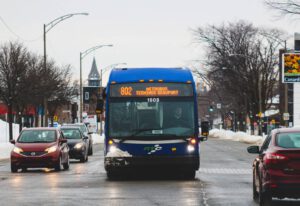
190 148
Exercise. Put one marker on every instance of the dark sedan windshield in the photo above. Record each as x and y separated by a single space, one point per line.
37 136
71 133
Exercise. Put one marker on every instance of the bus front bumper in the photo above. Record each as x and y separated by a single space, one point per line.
152 162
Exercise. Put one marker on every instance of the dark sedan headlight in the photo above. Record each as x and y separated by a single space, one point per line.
78 146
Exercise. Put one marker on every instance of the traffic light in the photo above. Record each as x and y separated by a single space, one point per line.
211 109
74 110
99 107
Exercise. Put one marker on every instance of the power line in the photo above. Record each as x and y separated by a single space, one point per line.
19 37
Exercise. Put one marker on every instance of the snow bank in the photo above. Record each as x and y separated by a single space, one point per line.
5 149
236 136
98 138
4 131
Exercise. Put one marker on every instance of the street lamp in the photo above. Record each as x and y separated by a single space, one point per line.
105 69
48 27
82 55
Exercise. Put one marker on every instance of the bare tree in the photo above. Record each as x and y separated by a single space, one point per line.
25 83
285 7
241 63
63 92
13 65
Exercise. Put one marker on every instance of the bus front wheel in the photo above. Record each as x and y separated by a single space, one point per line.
111 175
189 174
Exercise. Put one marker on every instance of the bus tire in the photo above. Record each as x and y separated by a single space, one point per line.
190 174
110 175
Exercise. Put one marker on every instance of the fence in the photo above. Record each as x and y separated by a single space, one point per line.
4 131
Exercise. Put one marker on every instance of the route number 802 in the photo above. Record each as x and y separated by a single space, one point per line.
126 91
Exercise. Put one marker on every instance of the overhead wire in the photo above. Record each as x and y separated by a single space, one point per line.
15 34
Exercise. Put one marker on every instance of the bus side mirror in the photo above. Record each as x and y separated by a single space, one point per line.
99 106
202 138
205 128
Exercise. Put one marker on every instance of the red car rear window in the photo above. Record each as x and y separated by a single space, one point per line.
288 140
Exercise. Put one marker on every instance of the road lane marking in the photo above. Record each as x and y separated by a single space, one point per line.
229 171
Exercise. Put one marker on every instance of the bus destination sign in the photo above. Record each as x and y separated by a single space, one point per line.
151 90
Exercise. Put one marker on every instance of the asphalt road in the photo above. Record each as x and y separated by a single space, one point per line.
224 179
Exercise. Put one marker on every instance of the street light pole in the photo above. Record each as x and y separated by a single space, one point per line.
82 55
105 69
48 27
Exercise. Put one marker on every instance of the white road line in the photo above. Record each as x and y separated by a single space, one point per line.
230 171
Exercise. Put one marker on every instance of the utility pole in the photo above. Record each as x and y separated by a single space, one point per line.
48 27
81 56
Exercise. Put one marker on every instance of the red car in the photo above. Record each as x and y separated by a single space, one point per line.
276 169
40 147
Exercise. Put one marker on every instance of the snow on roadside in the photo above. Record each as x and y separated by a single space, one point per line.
236 136
97 138
5 149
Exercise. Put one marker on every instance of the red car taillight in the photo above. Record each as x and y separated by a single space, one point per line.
274 159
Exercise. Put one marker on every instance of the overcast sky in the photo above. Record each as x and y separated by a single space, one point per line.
144 33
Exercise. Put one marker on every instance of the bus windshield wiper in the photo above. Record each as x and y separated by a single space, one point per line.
136 132
183 137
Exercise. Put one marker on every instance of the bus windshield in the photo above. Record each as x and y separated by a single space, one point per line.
151 117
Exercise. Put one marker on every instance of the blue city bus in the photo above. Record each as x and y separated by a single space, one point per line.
151 121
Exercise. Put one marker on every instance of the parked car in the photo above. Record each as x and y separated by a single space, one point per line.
40 147
86 133
276 169
77 143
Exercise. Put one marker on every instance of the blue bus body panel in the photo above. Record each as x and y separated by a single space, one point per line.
169 149
136 74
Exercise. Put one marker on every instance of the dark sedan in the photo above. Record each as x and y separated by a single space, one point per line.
83 128
40 147
276 169
77 143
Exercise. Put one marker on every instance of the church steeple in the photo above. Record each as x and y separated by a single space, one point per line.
94 76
